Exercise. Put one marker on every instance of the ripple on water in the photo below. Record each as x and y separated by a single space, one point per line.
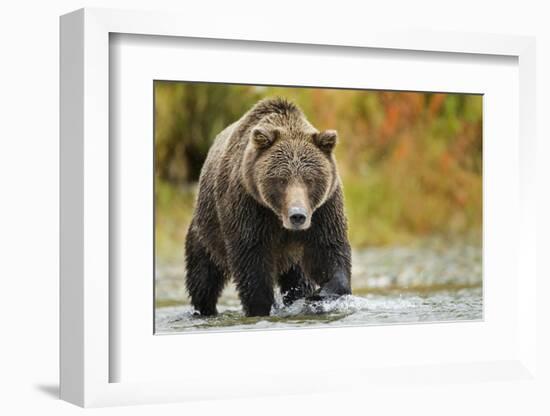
373 309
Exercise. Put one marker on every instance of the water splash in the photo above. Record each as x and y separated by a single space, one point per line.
376 309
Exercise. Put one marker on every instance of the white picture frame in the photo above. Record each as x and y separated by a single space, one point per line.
87 356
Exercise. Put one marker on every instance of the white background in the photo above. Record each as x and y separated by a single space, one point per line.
29 207
137 61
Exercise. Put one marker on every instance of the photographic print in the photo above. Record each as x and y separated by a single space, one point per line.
293 207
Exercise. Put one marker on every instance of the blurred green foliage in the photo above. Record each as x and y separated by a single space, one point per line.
411 163
187 119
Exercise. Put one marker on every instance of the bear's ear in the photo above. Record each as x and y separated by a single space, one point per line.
263 137
326 140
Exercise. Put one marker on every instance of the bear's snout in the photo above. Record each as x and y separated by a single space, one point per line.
296 212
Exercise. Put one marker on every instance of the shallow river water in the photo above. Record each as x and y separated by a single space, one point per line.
435 280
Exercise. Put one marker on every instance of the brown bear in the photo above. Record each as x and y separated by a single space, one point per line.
269 212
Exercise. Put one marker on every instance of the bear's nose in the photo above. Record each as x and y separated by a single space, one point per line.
297 216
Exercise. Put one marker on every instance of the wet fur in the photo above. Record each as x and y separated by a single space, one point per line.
236 231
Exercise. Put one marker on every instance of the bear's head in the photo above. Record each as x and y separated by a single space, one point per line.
291 170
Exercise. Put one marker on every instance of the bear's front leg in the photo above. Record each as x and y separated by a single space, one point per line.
204 279
256 292
253 278
332 273
338 285
327 255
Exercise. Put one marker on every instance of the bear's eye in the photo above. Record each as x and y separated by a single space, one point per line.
278 181
308 181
